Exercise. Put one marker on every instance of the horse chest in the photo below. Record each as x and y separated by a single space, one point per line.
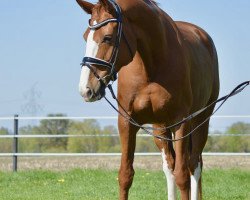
152 103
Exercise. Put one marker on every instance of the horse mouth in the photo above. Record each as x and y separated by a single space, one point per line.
96 96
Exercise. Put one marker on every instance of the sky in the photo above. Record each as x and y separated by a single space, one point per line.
41 46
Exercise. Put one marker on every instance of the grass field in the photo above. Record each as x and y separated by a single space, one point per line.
99 184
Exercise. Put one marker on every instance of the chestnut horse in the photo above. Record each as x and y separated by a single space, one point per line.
167 70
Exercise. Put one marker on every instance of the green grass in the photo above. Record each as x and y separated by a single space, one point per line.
100 184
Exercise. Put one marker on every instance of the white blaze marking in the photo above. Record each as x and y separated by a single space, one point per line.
91 51
195 183
170 178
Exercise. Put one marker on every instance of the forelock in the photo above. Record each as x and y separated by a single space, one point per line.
100 8
107 6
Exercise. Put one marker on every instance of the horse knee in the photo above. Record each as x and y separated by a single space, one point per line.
126 178
182 179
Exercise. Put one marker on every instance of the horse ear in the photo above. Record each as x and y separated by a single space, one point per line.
86 6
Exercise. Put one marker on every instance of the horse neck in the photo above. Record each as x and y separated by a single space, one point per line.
155 38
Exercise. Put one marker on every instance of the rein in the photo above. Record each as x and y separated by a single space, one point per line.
147 129
89 61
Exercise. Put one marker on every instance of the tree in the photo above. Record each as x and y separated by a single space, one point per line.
231 143
85 144
29 144
239 128
212 142
239 143
53 127
46 127
5 143
145 144
4 131
109 143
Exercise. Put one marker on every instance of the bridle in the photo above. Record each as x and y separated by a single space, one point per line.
110 65
89 61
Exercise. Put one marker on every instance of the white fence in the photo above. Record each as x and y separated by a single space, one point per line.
15 154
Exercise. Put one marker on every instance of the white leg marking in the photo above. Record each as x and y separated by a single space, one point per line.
91 51
195 183
170 178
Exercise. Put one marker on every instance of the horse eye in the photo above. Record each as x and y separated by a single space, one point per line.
107 39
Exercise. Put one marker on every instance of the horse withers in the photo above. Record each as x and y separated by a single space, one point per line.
167 70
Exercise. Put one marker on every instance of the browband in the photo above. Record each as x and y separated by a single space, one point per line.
105 22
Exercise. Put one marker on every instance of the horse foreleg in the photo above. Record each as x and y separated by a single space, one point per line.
168 156
199 139
181 170
196 183
126 172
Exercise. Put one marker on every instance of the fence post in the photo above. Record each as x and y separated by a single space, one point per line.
15 143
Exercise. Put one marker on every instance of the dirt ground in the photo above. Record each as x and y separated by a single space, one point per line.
113 162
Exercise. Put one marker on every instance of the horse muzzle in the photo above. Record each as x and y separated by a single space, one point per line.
92 95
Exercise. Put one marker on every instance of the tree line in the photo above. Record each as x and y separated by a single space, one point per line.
98 143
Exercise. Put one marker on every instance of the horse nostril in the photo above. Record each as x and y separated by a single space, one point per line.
88 93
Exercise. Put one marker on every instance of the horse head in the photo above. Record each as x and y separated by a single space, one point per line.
107 48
